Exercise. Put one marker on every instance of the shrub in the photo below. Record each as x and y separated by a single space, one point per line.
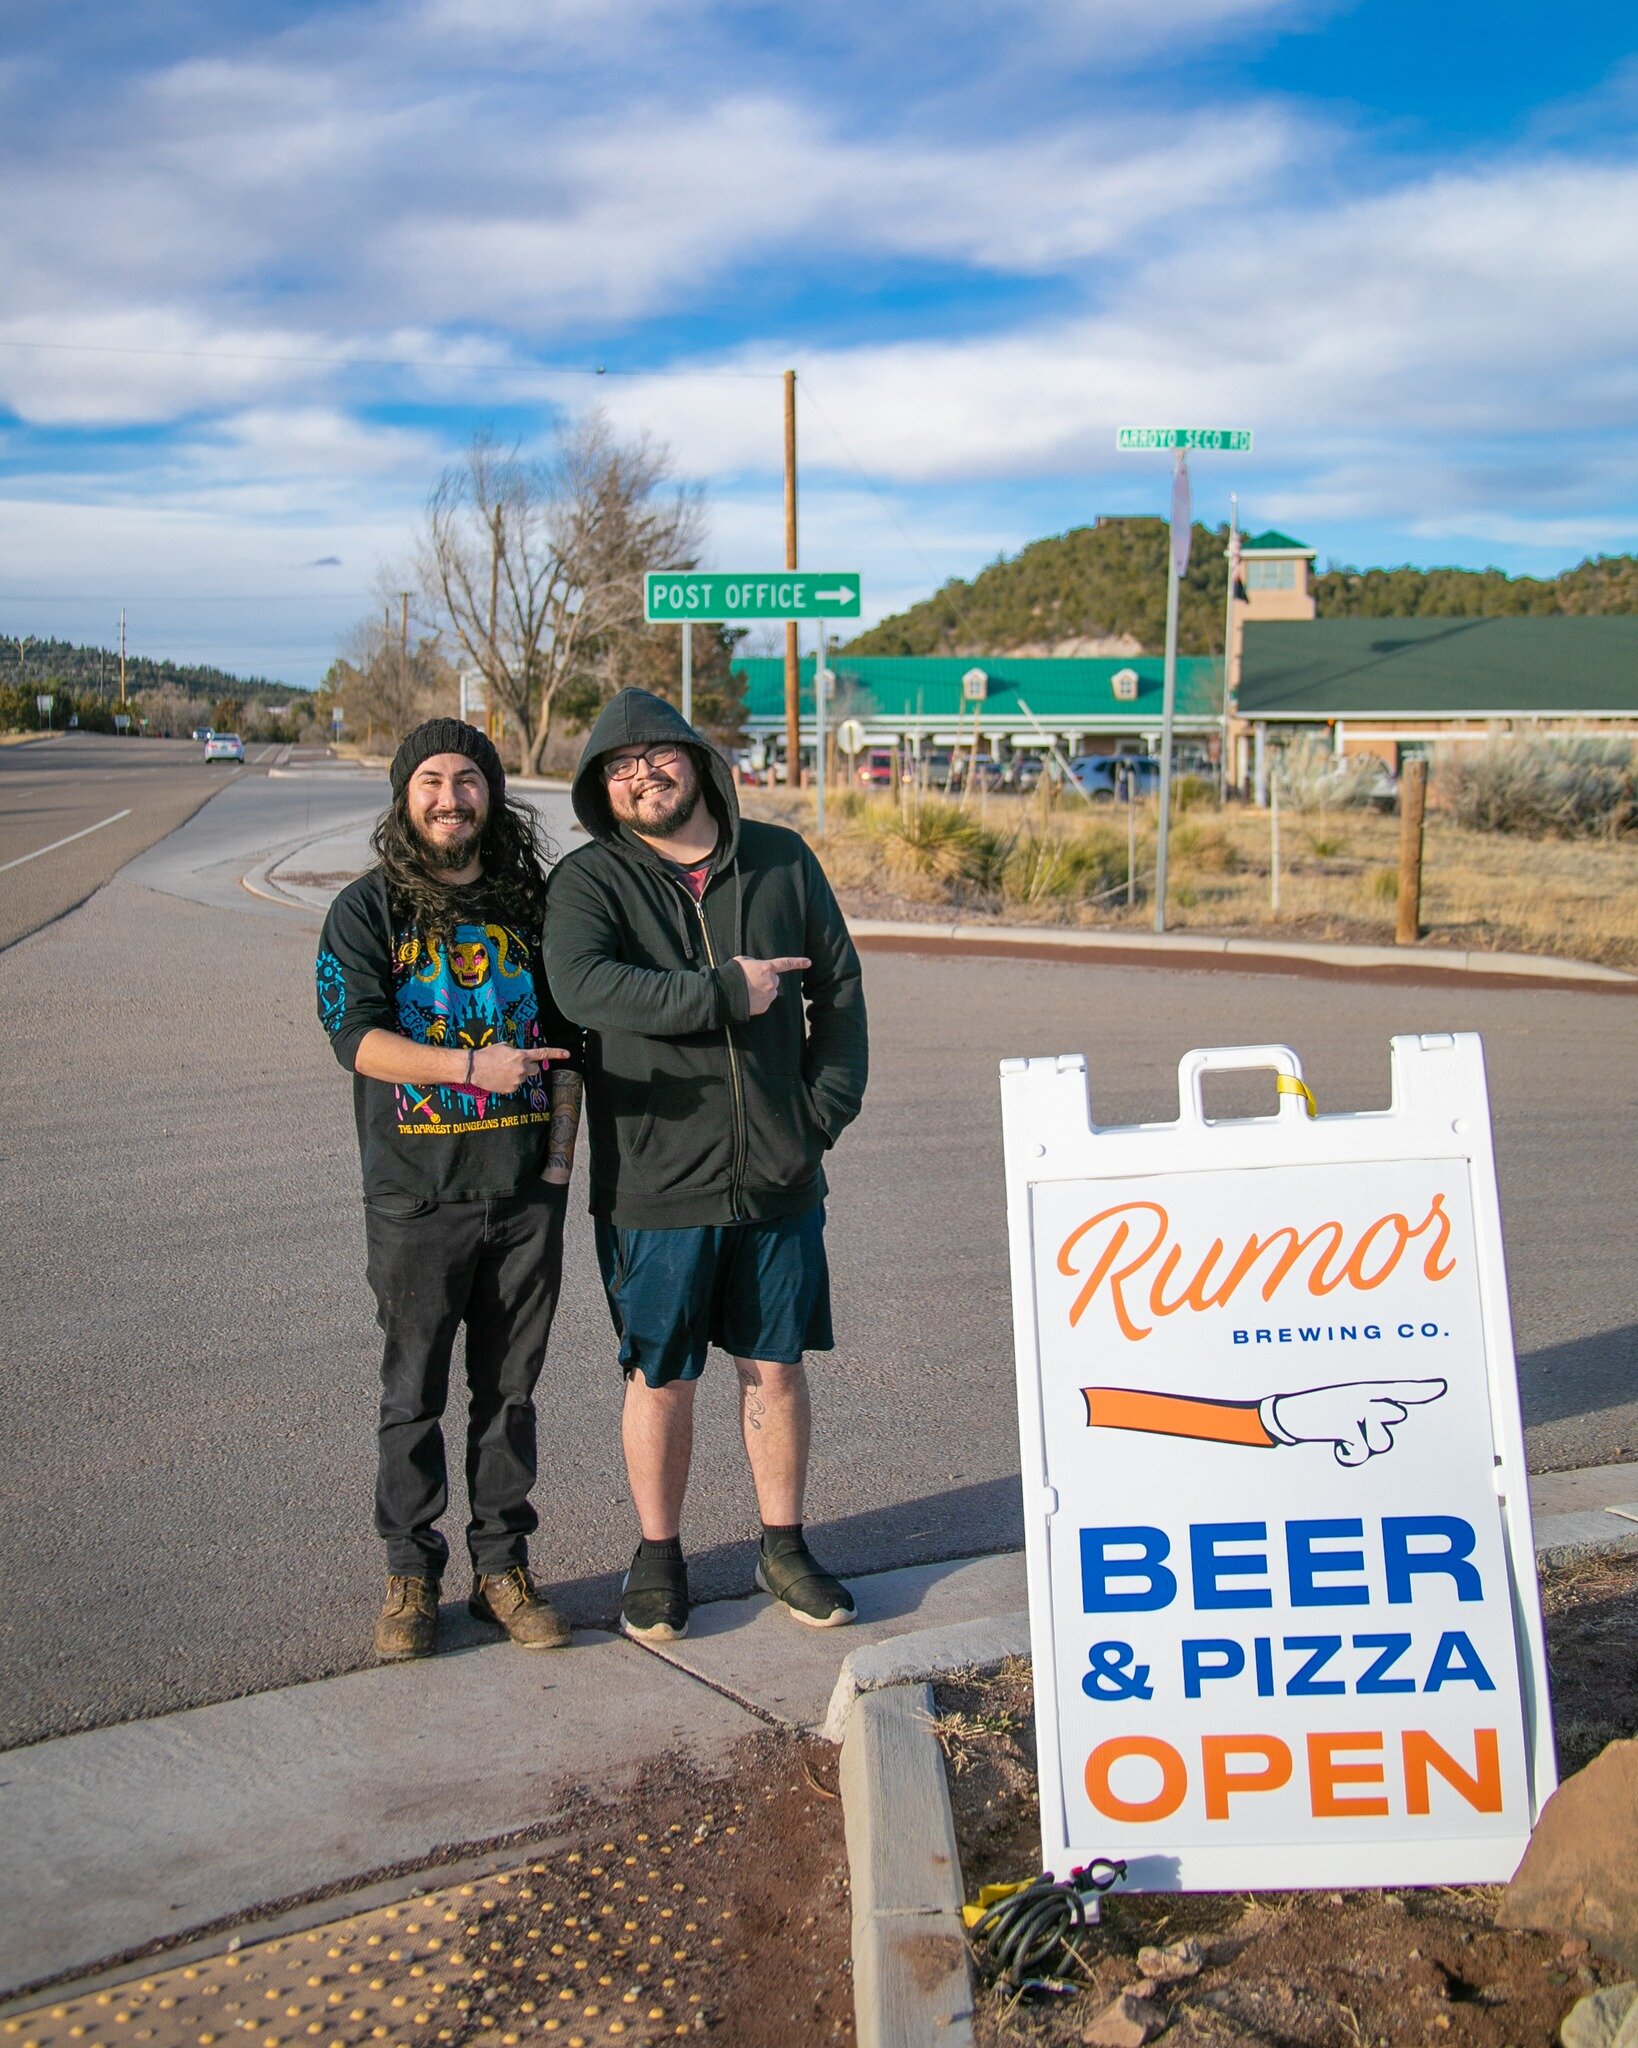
1044 867
1384 885
1205 847
1572 788
1312 778
940 842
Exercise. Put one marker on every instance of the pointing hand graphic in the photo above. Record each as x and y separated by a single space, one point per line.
1357 1419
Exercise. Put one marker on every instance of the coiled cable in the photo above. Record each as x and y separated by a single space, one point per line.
1019 1937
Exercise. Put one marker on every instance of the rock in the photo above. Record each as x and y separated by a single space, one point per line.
1577 1945
1127 2023
1602 2020
1174 1962
1579 1873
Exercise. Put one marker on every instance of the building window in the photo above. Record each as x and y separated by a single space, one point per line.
1271 575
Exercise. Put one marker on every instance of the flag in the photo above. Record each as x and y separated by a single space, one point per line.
1182 512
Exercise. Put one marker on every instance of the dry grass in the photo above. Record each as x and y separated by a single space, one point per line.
1026 861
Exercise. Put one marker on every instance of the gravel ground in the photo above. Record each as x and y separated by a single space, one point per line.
1369 1969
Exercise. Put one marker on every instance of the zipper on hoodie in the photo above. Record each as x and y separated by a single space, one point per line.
736 1091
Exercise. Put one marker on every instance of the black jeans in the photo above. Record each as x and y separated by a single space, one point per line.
494 1265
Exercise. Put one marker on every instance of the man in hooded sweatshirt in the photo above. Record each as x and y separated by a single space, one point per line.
709 963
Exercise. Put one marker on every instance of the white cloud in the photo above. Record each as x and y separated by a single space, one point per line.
1415 318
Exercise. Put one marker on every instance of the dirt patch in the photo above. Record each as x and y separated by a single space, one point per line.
1307 1969
700 1906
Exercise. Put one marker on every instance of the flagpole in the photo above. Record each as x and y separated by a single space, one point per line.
1180 510
1228 644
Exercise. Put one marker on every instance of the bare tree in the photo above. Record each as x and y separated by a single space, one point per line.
538 565
384 682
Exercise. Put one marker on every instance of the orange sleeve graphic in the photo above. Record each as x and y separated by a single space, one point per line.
1221 1422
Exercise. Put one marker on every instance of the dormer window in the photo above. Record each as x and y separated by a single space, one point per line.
1124 683
1271 575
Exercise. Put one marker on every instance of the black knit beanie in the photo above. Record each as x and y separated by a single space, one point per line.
448 736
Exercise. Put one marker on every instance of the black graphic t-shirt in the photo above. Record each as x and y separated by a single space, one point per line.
486 987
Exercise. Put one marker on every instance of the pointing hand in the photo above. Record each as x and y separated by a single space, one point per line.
503 1069
762 978
1357 1420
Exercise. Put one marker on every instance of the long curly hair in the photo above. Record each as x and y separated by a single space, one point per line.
513 849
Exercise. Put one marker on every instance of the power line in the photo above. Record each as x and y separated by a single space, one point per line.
224 355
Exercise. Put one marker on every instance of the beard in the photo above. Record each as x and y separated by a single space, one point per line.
448 854
665 823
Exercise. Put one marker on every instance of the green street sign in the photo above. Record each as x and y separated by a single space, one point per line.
1211 440
671 597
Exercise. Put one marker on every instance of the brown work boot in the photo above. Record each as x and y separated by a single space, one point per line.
407 1625
510 1599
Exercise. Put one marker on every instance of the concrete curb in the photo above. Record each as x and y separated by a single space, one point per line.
912 1987
928 1653
1360 959
1595 1532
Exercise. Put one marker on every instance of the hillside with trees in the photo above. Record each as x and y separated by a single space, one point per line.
1106 583
83 671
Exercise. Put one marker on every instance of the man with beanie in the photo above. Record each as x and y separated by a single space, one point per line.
709 963
466 1094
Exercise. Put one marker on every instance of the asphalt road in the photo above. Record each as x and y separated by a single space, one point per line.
73 811
191 1365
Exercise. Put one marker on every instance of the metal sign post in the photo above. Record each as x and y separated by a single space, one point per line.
821 684
1180 441
1282 1584
1177 560
688 670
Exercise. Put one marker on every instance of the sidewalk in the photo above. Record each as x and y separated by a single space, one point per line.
141 1847
156 1830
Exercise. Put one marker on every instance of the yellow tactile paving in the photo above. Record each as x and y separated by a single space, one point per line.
588 1947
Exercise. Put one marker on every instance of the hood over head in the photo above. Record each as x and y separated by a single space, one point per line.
637 718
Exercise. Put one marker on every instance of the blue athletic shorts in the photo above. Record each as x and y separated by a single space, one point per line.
756 1290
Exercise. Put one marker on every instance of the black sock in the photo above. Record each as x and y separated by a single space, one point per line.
667 1546
778 1537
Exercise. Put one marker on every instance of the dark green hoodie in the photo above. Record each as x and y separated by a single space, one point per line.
698 1112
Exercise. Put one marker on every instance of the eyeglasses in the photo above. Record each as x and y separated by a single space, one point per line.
623 769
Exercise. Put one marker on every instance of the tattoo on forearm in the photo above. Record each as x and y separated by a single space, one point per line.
566 1092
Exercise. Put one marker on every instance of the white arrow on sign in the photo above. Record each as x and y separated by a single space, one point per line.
840 596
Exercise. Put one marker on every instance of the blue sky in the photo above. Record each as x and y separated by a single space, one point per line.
267 267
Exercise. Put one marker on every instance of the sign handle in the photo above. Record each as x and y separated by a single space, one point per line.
1240 1059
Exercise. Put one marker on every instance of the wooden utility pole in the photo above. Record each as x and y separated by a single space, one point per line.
1413 802
793 665
122 657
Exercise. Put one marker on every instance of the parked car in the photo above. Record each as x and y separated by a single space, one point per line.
877 768
983 773
224 746
1024 772
1104 777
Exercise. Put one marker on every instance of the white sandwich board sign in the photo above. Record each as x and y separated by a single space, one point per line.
1282 1584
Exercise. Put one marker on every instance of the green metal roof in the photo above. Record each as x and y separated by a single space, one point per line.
928 686
1274 542
1402 668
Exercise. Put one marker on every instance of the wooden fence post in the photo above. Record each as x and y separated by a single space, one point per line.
1413 799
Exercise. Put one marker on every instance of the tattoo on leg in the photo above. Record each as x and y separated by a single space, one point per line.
752 1405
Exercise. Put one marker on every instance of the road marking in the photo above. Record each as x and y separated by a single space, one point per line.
69 841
